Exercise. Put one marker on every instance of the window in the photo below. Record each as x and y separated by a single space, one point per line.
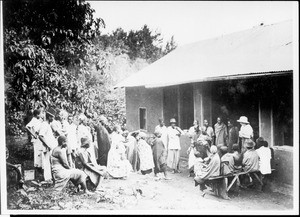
143 118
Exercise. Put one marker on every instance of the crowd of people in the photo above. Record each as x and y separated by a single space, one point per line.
226 150
78 151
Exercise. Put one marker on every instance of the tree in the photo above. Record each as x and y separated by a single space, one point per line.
47 47
170 46
55 55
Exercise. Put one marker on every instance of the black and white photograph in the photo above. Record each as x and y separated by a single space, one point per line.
149 107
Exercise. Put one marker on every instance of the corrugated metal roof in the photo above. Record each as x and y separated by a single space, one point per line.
262 49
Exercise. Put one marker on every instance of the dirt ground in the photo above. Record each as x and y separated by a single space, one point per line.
141 192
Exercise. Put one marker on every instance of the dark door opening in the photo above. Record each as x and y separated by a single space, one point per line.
170 104
186 106
235 98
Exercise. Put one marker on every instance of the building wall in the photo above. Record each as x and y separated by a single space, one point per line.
283 164
202 102
151 99
265 122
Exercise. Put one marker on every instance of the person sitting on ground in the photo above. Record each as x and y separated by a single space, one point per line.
61 170
145 154
117 164
95 172
237 156
227 161
159 155
209 170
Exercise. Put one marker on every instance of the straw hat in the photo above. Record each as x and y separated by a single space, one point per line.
172 120
243 119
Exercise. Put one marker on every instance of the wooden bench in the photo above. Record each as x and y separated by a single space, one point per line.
221 189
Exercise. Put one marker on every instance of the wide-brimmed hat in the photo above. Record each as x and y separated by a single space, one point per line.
243 119
51 112
172 120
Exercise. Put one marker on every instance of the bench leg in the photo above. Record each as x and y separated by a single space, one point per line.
257 177
223 189
232 182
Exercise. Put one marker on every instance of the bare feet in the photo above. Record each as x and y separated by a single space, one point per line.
88 192
100 189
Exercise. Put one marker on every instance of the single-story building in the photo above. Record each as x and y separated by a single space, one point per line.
247 73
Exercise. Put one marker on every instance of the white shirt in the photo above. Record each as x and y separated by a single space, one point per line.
72 137
264 155
47 133
83 131
164 134
173 137
35 125
246 131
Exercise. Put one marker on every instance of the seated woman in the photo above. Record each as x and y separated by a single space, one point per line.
145 154
95 172
61 170
208 170
117 164
159 155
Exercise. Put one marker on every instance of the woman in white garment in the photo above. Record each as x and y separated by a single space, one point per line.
145 154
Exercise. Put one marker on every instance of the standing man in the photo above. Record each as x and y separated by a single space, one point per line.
220 132
174 148
164 132
209 131
103 141
233 135
72 139
34 127
49 142
246 131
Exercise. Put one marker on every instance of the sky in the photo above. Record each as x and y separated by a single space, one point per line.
190 21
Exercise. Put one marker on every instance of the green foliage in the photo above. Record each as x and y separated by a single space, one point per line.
136 44
55 55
